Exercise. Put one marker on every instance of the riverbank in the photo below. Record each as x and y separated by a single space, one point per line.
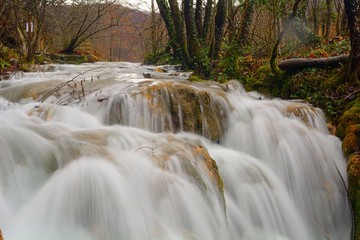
11 61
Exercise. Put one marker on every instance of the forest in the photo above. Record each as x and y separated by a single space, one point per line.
307 50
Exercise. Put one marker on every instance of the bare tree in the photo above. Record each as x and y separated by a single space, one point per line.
82 20
29 16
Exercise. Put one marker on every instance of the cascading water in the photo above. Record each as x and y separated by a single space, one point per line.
112 155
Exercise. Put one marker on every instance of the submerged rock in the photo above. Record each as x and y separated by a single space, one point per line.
194 160
306 113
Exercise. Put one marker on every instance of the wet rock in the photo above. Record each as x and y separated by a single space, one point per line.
172 106
211 165
194 161
306 113
194 110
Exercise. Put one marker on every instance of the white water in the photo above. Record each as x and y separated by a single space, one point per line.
65 173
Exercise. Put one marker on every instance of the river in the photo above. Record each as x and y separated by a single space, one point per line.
110 154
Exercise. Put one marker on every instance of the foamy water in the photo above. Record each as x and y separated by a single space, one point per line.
109 160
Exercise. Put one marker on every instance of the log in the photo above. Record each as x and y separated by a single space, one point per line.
296 64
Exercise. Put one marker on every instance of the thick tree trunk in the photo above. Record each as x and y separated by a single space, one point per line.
328 19
242 37
166 16
352 8
297 64
198 17
191 32
207 20
220 19
180 32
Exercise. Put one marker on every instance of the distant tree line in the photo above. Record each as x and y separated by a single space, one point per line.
199 34
37 25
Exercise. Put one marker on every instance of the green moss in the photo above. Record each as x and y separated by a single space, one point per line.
42 59
353 169
350 117
195 78
307 85
351 142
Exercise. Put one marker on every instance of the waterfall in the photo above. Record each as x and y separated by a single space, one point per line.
114 155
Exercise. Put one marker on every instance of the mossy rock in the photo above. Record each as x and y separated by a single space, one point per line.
301 111
42 59
349 118
211 166
195 78
353 169
198 113
191 156
351 142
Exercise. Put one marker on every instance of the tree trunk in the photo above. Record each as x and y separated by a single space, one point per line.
69 48
166 16
198 17
315 18
352 8
220 19
338 19
180 32
191 32
207 20
242 37
296 64
154 44
328 19
274 67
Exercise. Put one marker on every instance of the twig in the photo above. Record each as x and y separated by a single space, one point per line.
66 83
352 94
